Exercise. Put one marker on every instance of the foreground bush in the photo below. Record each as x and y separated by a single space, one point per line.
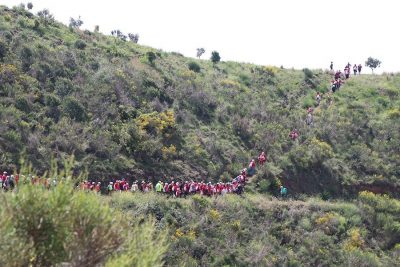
40 227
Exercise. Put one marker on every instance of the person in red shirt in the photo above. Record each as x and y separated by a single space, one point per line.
166 188
126 186
97 187
244 172
262 158
294 135
177 189
117 186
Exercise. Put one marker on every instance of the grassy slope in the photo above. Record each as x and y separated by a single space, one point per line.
260 231
107 104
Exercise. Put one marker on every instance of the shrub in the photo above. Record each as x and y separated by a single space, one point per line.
26 56
215 57
57 226
80 44
3 50
145 246
63 87
203 105
22 103
74 109
151 57
52 100
193 66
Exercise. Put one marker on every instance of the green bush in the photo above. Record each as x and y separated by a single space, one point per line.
215 57
193 66
57 226
151 56
80 44
3 50
74 109
22 103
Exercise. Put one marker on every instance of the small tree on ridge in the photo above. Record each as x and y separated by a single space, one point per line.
215 58
373 63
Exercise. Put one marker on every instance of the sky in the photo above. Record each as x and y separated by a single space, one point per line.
289 33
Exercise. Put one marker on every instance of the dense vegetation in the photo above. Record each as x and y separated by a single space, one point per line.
128 110
260 231
40 227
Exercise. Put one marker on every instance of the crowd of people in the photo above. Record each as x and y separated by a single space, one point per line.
9 182
172 187
336 83
339 77
182 188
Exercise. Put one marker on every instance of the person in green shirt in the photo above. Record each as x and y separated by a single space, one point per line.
283 191
159 187
110 188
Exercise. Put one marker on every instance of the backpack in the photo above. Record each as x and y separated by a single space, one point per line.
284 191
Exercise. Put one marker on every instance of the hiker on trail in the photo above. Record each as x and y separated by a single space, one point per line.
177 189
125 186
97 187
166 188
159 187
331 66
244 172
117 186
134 187
338 74
294 135
318 98
262 158
309 119
355 69
149 186
110 188
339 83
359 69
283 191
347 72
333 86
239 189
252 168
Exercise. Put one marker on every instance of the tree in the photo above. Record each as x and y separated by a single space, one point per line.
96 28
118 34
30 5
45 16
200 51
134 37
151 57
75 23
373 63
215 58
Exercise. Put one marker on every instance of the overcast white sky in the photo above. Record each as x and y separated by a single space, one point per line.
292 33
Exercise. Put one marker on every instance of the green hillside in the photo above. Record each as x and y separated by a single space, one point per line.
125 110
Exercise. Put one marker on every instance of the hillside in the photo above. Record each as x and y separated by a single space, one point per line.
260 231
125 110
